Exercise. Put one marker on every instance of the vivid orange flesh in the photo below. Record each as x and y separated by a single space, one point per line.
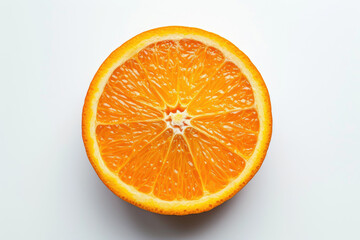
204 155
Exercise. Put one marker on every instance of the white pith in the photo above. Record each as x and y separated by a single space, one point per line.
177 121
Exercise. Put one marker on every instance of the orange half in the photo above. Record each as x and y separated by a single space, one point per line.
177 120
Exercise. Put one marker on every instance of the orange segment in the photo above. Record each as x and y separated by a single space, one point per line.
217 165
160 62
178 178
198 63
117 142
191 59
228 89
115 107
237 129
143 168
130 79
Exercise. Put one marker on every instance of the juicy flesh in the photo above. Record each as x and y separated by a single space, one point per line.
177 121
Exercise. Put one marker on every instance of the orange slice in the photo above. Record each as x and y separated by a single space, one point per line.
177 120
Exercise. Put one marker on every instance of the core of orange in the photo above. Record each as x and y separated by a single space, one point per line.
176 120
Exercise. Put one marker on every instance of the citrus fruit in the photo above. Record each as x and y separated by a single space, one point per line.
176 120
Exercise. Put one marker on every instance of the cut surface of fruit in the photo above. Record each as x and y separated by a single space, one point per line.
177 120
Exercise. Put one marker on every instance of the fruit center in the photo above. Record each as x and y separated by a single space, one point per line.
178 120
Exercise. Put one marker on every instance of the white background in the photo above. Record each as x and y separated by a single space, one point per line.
308 53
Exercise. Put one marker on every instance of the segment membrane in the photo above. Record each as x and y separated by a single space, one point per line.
237 129
160 62
216 164
178 178
197 63
118 142
131 79
143 168
116 107
227 90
